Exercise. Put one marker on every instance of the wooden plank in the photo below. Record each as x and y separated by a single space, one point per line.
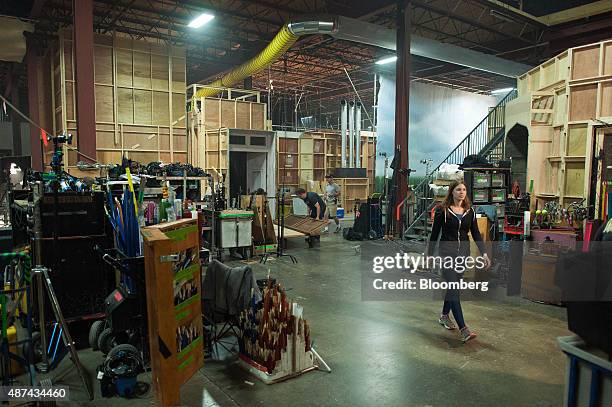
585 62
583 102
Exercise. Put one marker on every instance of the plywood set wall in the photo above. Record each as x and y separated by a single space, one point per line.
571 97
139 98
310 156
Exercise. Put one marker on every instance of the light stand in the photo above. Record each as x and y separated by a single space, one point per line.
280 216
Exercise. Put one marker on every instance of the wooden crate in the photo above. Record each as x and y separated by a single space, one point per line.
139 95
175 323
538 279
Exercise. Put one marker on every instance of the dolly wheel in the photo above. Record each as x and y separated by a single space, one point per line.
106 341
94 334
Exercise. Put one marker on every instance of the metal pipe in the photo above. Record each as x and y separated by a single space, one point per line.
358 135
351 126
343 114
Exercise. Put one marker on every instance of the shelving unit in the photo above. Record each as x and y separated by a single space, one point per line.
570 100
312 155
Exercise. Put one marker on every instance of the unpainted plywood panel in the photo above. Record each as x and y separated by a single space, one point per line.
585 62
103 65
106 139
180 157
306 145
534 80
306 175
123 42
164 142
68 61
563 66
139 141
125 106
142 157
124 67
583 102
161 114
548 73
228 114
142 70
551 178
555 145
607 59
142 106
180 143
606 99
179 110
560 108
257 116
243 115
142 46
109 157
577 140
104 103
211 113
178 74
306 161
70 101
574 179
159 71
100 39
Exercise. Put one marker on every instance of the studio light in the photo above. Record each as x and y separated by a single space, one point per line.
502 90
387 60
200 20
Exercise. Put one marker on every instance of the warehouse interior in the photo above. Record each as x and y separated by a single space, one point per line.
306 202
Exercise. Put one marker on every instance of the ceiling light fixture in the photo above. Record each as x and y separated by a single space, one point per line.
200 20
502 90
387 60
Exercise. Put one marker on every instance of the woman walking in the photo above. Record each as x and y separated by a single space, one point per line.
453 219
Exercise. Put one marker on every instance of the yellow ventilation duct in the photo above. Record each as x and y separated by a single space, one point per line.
286 37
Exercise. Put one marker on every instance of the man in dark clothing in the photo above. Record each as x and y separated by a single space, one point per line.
315 204
316 207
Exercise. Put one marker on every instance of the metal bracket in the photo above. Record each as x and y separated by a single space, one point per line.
169 258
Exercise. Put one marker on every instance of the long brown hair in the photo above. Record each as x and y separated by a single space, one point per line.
449 200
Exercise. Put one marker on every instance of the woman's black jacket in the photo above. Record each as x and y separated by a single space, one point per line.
454 240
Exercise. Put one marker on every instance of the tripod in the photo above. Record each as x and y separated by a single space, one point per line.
43 280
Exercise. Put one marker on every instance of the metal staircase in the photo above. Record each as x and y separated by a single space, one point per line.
485 139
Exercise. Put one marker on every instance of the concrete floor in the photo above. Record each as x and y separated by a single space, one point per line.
387 353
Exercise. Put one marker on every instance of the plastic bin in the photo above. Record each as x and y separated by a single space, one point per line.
588 376
340 213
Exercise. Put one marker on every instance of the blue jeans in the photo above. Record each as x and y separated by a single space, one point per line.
452 301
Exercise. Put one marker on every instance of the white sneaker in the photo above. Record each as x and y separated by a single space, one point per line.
326 229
